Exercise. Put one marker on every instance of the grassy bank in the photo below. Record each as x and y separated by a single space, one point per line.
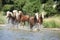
2 18
53 22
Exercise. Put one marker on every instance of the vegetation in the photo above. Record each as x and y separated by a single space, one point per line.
53 22
31 6
2 18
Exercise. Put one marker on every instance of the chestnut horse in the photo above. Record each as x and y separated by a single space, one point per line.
35 19
23 18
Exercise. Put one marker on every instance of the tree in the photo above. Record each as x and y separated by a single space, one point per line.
49 8
0 4
32 6
43 1
28 6
7 2
7 7
18 4
58 7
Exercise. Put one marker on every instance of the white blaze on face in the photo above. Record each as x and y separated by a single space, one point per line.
36 14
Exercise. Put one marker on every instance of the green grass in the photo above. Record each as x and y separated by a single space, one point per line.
53 22
2 18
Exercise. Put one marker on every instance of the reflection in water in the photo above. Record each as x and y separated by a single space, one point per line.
18 34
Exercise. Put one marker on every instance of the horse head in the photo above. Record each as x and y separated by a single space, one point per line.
9 14
20 14
15 13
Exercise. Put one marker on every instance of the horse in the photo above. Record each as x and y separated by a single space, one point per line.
9 16
15 16
12 16
23 18
35 20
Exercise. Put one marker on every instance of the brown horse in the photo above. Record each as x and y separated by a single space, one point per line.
23 18
33 20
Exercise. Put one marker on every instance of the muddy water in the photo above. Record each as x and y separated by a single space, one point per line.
19 34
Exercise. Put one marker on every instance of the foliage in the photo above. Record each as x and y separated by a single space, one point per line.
0 4
58 7
49 7
30 6
18 4
27 6
7 7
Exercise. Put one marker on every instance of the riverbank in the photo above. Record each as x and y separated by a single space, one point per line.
52 22
56 29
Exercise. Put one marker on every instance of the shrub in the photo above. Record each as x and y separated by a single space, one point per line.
7 7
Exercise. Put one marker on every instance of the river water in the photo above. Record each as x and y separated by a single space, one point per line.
19 34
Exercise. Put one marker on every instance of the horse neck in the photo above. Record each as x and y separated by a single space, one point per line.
35 19
21 15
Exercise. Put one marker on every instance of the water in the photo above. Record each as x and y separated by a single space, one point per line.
19 34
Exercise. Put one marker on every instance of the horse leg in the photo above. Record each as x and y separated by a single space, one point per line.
38 26
23 24
31 26
16 23
8 20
